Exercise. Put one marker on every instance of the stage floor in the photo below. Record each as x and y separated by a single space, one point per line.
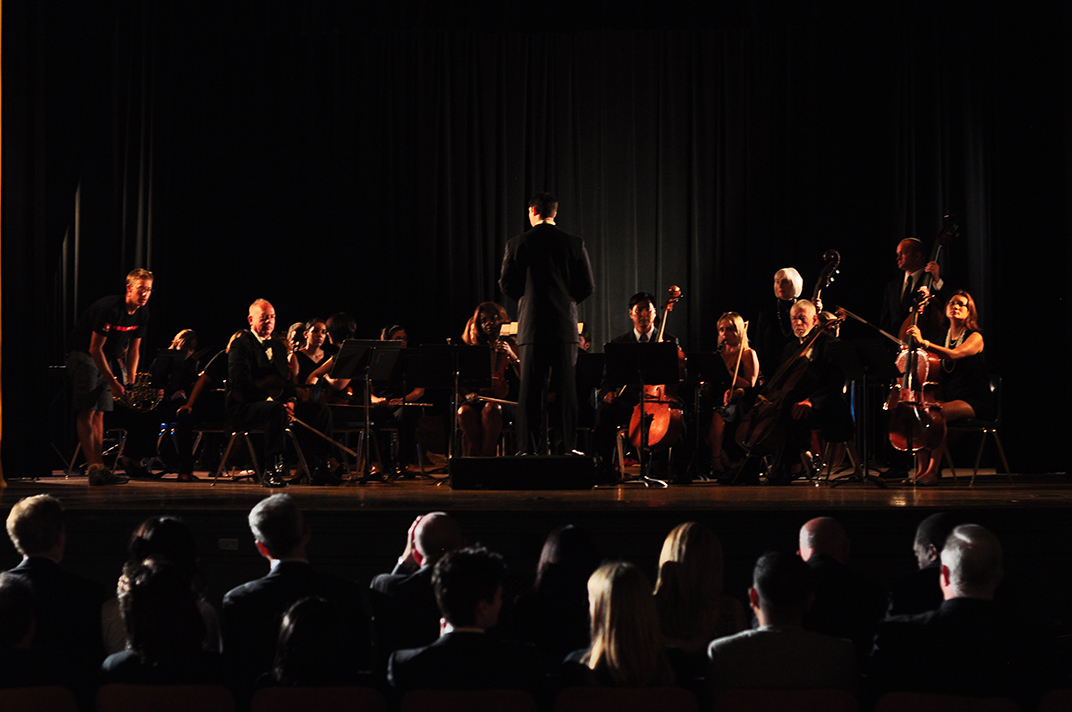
991 491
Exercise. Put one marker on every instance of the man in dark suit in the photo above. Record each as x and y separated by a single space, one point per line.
548 273
405 612
970 645
615 405
468 589
846 605
66 608
260 394
817 400
251 613
920 591
901 292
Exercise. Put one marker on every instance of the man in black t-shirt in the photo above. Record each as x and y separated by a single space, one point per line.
110 326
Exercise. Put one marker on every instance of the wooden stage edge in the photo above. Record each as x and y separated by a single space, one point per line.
991 491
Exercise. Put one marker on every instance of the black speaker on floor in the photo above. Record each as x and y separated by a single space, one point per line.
531 472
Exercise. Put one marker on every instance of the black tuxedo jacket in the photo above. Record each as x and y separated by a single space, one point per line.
548 273
464 661
895 308
248 364
68 615
252 612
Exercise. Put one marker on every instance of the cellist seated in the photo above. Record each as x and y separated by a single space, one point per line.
615 401
817 400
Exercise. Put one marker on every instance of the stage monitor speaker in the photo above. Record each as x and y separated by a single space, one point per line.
530 472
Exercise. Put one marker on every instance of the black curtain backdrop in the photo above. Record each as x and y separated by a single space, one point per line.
331 160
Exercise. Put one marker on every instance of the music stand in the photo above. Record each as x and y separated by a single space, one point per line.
858 359
375 360
456 367
704 366
637 365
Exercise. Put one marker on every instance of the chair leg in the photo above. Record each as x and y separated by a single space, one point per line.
301 456
1001 451
74 458
223 460
253 456
949 459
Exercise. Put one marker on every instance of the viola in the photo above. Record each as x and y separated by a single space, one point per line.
659 408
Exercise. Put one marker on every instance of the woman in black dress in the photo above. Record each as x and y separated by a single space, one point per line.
965 385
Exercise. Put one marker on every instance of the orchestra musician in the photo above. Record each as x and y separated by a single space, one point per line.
964 383
109 326
817 401
481 420
901 292
772 330
615 401
548 273
742 366
310 355
260 394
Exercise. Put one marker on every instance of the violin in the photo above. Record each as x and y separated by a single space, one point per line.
659 408
762 430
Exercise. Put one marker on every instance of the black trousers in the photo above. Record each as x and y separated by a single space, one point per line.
547 368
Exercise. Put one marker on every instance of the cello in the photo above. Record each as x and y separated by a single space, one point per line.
659 408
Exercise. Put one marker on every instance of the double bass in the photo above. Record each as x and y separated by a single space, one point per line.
659 407
916 420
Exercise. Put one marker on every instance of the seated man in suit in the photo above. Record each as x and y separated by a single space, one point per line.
469 591
920 592
616 401
251 613
404 606
902 292
66 607
971 645
846 605
261 394
817 401
780 653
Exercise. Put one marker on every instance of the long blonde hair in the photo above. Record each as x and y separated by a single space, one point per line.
738 324
627 644
690 580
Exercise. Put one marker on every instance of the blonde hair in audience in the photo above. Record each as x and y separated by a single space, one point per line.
626 641
690 580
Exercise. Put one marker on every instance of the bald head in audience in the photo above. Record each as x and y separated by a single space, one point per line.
436 534
971 563
824 535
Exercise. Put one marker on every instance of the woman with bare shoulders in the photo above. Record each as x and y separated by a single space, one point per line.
481 420
964 383
742 366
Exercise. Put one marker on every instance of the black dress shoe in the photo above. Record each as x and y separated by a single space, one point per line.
275 476
323 476
186 477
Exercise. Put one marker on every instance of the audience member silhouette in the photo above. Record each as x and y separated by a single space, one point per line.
67 608
165 629
920 592
469 590
780 653
403 602
627 647
252 613
168 538
688 592
313 651
846 604
553 614
970 645
20 664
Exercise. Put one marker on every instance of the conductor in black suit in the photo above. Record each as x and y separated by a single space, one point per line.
548 273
